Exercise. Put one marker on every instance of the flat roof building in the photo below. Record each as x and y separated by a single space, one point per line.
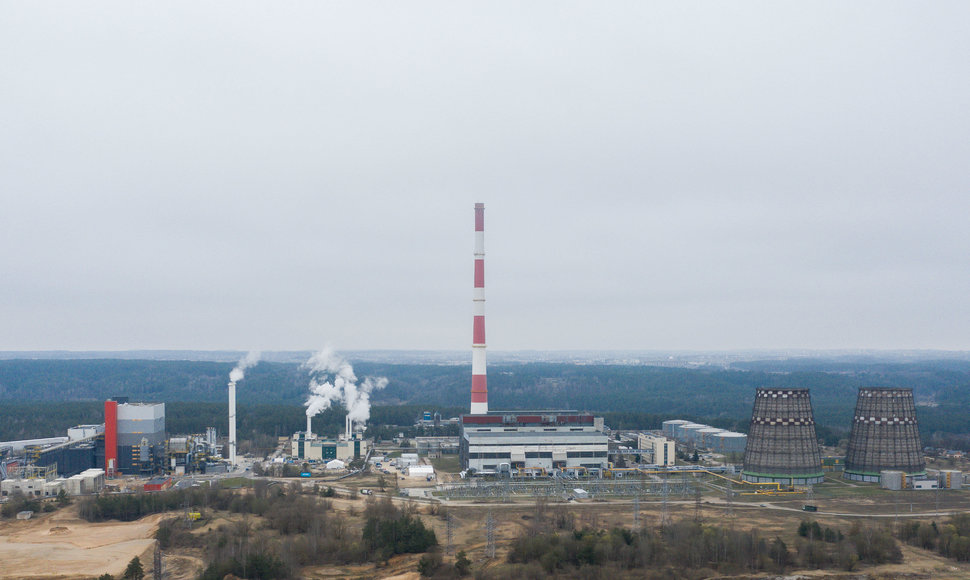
532 439
661 450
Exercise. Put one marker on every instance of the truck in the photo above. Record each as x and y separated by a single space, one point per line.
809 508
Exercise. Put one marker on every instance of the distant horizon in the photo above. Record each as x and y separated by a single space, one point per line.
463 356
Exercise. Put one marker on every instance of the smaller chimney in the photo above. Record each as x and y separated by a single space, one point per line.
232 424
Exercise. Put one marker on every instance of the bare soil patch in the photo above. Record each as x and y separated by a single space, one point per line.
61 545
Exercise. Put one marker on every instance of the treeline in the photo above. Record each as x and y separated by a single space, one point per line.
631 396
299 528
30 420
952 539
688 549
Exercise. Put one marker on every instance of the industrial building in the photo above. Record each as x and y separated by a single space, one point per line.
132 441
782 445
192 453
884 436
308 447
134 437
532 439
436 446
658 450
42 481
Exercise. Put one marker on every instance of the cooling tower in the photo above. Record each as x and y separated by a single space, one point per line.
782 446
885 435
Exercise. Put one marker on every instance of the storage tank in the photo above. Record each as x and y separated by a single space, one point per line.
731 442
669 427
705 437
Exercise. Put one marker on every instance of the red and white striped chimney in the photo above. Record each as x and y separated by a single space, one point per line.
479 388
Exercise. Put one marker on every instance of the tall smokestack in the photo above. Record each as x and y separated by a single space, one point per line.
479 388
110 438
232 424
308 425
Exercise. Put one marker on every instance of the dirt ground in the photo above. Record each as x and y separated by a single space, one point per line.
60 545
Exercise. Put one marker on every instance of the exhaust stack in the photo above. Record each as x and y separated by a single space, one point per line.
479 384
232 424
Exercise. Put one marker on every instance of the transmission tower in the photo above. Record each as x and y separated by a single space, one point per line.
697 503
729 501
449 532
664 514
636 513
157 564
490 535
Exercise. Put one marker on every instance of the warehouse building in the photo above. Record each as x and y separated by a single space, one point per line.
502 441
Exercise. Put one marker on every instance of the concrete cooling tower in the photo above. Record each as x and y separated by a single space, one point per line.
885 435
782 445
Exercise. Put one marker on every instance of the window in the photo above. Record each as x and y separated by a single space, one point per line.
576 454
489 455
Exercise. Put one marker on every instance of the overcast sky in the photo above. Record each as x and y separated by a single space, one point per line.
678 175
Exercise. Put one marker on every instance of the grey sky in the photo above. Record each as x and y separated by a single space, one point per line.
656 175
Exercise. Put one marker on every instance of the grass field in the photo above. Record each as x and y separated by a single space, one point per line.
447 464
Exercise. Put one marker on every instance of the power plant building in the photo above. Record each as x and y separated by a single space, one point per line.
134 437
501 441
885 435
782 446
309 448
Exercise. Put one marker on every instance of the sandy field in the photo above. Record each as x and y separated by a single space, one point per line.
59 545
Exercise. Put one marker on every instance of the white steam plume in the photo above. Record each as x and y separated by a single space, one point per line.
332 380
237 374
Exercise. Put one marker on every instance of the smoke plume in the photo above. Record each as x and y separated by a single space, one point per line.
332 380
237 374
